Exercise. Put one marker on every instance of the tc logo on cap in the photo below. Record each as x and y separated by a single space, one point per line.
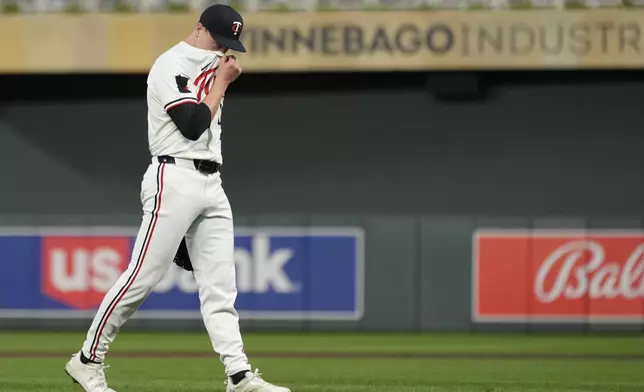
237 27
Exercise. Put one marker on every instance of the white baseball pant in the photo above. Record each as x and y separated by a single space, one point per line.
179 201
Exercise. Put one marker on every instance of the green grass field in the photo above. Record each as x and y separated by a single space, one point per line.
163 362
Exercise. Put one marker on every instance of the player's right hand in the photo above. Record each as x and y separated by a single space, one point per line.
229 70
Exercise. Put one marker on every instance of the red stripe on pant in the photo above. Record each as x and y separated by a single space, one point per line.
155 218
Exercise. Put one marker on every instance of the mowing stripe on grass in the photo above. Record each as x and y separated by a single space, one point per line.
497 356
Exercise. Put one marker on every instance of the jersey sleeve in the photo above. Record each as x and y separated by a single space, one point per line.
170 85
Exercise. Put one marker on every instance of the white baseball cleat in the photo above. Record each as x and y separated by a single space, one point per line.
254 383
91 376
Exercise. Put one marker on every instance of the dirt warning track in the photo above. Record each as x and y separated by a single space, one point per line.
339 355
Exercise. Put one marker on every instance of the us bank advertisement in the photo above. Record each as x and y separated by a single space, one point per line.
283 273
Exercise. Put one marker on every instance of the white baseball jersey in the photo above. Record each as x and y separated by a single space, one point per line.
183 74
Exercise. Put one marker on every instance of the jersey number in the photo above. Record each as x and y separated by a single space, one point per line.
221 106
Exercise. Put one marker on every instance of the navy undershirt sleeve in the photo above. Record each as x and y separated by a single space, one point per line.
192 119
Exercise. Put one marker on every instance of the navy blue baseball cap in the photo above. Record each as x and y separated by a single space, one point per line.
225 25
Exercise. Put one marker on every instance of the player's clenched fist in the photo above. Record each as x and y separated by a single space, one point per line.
229 70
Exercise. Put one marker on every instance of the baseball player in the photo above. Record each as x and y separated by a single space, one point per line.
186 215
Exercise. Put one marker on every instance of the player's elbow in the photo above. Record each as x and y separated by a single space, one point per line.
191 133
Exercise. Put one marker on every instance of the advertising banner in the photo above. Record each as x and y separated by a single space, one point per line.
282 274
558 276
334 41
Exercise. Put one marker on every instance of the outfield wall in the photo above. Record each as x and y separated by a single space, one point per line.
522 156
420 274
525 151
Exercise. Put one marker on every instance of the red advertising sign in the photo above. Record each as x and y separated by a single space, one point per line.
78 271
558 276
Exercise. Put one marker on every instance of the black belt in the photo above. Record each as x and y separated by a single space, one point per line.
205 167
